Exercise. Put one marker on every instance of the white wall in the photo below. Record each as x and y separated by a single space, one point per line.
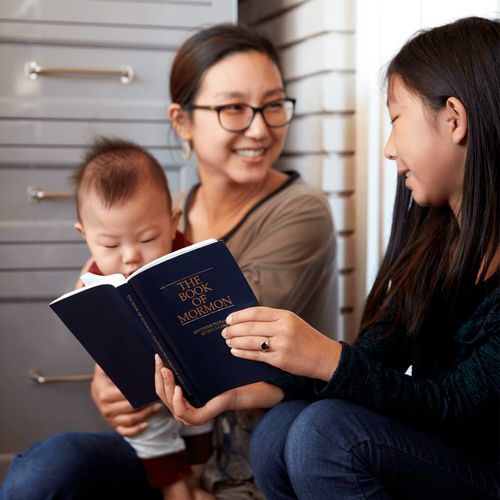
316 41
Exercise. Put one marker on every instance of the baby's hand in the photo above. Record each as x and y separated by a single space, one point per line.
113 406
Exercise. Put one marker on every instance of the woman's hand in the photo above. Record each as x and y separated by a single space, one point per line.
282 339
259 395
171 395
113 406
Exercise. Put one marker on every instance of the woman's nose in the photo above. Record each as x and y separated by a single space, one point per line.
258 127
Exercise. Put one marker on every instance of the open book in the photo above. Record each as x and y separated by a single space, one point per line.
174 306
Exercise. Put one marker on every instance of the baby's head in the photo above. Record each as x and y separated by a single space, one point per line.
124 206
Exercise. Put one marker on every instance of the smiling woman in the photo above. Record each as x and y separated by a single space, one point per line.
233 112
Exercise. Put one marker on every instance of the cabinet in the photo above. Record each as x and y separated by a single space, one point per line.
46 120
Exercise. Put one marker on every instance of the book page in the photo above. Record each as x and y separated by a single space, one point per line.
113 279
89 279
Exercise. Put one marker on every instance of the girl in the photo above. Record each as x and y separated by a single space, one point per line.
351 423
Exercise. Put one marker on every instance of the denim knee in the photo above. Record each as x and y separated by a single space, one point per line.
64 465
268 441
327 427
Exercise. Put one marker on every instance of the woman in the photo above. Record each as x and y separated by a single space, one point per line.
230 108
351 423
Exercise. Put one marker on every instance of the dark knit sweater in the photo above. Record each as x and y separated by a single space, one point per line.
457 400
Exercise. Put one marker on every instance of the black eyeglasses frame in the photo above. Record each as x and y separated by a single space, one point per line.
255 110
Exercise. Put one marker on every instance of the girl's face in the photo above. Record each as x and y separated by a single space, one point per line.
427 149
238 157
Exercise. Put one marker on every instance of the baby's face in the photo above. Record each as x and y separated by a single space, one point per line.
129 234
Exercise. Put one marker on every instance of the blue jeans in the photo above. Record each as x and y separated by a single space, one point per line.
78 466
333 449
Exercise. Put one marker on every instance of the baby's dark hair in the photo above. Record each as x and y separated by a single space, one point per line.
115 168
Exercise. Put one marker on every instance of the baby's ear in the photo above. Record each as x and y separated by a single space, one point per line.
79 229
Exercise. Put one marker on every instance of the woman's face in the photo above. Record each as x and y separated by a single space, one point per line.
238 157
425 149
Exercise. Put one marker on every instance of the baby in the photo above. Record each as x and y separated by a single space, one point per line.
125 214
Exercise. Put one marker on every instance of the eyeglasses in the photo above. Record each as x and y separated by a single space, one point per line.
238 117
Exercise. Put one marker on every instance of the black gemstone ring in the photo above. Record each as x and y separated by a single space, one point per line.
265 346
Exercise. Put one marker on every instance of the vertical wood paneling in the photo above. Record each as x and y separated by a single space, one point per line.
316 40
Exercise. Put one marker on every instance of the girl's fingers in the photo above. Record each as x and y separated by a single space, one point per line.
253 355
250 329
257 343
257 314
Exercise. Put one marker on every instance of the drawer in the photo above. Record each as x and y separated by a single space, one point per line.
144 13
15 203
72 133
76 96
32 337
37 284
46 256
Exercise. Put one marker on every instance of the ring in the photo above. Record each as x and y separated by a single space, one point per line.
266 345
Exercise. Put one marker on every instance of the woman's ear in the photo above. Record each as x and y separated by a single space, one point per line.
180 121
456 116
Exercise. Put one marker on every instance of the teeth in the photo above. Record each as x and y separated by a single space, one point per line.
408 174
250 152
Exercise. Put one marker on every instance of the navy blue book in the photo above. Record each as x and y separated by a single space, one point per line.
174 306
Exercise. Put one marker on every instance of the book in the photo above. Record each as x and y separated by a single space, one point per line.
174 306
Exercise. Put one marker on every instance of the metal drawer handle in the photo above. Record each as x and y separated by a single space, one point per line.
35 194
32 71
37 377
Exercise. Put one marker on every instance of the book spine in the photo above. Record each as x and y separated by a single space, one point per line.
160 349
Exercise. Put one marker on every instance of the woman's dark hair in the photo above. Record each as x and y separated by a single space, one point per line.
206 48
432 261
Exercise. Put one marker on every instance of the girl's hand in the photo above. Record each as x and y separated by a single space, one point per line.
293 345
259 395
113 406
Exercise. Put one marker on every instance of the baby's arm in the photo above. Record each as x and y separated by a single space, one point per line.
117 411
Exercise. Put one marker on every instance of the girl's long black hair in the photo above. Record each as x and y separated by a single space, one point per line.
432 261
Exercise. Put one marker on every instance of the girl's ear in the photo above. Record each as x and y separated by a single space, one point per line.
180 121
79 229
456 116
